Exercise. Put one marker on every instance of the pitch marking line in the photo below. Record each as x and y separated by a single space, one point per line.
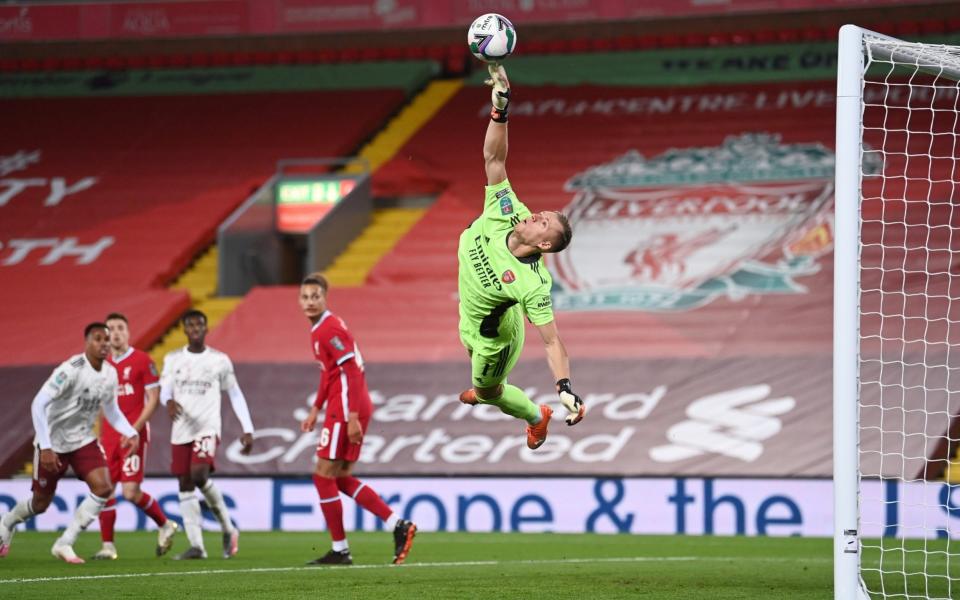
474 563
471 563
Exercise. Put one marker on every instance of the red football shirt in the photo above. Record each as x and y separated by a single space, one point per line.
136 374
343 385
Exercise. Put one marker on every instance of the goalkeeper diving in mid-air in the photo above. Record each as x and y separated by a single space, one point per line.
503 278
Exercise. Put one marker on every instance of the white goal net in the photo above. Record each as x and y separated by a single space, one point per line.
898 263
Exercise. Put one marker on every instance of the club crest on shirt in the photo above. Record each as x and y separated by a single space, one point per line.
61 377
126 372
336 343
508 276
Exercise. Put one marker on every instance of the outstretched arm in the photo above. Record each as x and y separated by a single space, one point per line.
495 141
560 366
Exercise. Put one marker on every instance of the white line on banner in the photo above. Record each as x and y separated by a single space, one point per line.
475 563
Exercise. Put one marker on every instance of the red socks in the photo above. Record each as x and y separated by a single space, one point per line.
108 518
331 506
150 507
364 496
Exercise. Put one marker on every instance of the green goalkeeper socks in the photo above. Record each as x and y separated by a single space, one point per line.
516 404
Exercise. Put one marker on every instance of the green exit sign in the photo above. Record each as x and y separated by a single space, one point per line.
302 203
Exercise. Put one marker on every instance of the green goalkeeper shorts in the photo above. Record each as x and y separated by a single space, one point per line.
491 360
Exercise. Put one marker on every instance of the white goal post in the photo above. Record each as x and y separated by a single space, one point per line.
896 358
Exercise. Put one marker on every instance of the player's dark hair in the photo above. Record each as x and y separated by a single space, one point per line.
193 313
92 326
116 316
565 236
316 279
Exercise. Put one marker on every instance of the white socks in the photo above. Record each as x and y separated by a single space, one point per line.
88 510
190 511
340 545
217 505
22 511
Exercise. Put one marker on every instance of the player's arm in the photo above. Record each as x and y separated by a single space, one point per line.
149 407
38 411
311 421
228 382
130 438
495 141
239 404
559 363
354 378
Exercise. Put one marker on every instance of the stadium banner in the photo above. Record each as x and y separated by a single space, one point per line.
198 18
775 507
742 416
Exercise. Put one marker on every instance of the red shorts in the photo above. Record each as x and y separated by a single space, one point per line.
124 468
334 444
199 451
83 460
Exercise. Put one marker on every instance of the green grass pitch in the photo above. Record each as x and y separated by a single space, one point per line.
444 565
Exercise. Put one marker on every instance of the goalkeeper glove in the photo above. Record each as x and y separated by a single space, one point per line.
571 402
500 95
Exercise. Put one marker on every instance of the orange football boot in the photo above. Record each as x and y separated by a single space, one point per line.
537 434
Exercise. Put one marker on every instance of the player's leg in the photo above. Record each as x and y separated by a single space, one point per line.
133 493
189 503
44 487
202 465
491 363
364 495
108 516
325 479
90 465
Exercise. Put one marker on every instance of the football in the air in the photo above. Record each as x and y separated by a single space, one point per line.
491 37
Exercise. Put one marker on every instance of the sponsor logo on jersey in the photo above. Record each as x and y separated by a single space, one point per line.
336 343
506 206
681 229
508 276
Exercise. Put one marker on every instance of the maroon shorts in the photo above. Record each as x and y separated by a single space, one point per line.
83 460
334 445
199 451
124 467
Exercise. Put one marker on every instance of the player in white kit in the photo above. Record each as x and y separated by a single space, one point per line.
64 411
191 385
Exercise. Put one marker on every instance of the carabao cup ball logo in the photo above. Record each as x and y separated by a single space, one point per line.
491 37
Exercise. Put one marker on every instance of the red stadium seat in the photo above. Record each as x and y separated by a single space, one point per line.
157 61
241 59
933 27
178 61
693 40
9 65
625 42
646 42
136 62
393 53
765 36
534 47
601 45
414 53
953 25
739 38
907 29
348 55
371 54
93 62
115 63
221 59
578 45
51 63
788 36
72 63
670 40
719 39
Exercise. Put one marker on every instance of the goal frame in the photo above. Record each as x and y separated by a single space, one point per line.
851 55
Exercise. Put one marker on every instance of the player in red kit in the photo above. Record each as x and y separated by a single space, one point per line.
343 388
139 393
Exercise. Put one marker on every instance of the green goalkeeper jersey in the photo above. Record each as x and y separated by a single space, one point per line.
494 284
